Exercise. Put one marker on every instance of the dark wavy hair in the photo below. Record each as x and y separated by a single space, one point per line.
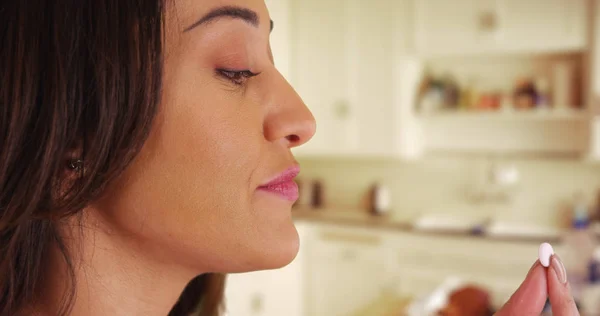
77 75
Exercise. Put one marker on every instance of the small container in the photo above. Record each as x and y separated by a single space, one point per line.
581 216
594 268
380 199
590 298
543 97
317 195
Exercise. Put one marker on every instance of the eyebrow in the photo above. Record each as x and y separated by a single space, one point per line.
244 14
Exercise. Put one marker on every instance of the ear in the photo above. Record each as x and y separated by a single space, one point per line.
75 164
70 171
73 157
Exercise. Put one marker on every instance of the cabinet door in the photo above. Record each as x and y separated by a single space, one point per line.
542 25
343 69
452 27
246 294
346 272
499 26
320 62
372 73
280 39
496 265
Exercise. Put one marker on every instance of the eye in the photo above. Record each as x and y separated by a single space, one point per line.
238 77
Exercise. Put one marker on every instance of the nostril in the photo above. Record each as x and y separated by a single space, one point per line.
293 138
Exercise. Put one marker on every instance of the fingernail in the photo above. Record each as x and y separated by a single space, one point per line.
559 269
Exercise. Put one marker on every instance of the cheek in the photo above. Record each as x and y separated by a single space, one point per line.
196 169
210 146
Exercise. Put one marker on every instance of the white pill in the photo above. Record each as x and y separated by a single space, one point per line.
545 253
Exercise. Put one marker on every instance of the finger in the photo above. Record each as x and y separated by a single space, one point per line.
530 298
559 290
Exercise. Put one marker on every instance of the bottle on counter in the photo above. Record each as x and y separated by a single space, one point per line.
469 95
543 96
579 245
317 200
590 298
581 214
380 199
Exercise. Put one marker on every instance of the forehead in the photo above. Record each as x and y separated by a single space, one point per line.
183 13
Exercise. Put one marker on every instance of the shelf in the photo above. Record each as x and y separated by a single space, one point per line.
542 132
535 115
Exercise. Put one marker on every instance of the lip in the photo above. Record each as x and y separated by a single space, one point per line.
283 185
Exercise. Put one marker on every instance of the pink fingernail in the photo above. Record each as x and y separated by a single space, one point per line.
559 269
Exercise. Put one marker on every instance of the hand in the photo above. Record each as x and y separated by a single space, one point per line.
540 284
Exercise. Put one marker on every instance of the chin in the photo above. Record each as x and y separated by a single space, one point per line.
285 255
273 253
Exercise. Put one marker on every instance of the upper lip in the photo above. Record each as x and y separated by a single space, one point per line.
287 175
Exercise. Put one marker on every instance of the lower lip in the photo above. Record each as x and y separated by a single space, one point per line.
287 190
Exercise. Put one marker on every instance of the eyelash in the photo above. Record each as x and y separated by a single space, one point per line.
237 77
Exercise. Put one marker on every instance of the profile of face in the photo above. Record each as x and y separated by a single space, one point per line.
198 193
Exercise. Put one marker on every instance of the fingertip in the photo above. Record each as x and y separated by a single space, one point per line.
530 297
559 289
559 270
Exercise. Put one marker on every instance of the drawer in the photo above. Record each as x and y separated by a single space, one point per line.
346 245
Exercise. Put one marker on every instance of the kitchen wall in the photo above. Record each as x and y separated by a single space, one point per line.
436 185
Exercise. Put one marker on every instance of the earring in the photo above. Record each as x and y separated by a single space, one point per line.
75 164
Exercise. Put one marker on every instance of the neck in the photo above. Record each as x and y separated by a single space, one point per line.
114 275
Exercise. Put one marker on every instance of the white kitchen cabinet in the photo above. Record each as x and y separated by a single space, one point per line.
272 292
557 25
499 26
280 39
447 27
345 270
553 134
246 294
320 72
341 269
342 67
461 28
594 139
418 264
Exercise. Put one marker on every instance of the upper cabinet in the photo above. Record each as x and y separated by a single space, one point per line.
280 39
342 61
557 25
321 70
499 26
358 65
445 27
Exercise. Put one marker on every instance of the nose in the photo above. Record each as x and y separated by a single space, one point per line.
289 119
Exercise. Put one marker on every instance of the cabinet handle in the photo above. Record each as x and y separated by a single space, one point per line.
488 21
352 238
342 109
256 304
348 255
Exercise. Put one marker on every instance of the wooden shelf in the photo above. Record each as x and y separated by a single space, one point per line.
534 115
547 132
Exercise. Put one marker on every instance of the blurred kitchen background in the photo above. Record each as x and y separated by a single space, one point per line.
454 136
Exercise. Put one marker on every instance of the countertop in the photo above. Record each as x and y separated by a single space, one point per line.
362 218
386 306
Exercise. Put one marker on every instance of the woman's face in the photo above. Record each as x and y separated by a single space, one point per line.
196 196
